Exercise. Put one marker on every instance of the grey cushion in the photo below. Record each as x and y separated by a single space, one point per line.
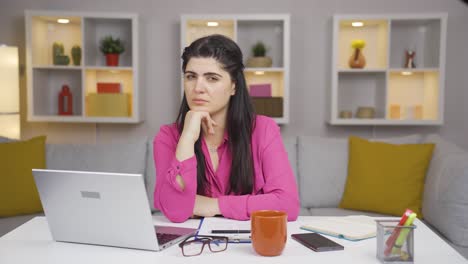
462 250
323 168
6 140
304 211
290 144
123 158
150 175
340 212
445 199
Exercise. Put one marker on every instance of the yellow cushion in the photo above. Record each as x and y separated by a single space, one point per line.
386 178
18 193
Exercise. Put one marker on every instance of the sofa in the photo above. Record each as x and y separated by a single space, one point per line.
320 167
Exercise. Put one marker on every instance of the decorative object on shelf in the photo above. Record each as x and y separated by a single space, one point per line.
76 55
58 56
357 59
269 106
409 61
108 104
65 101
346 114
409 112
259 58
395 111
365 112
109 87
418 112
260 90
112 47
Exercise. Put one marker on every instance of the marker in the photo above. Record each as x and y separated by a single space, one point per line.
403 234
391 240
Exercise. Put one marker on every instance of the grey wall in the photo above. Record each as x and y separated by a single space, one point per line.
310 62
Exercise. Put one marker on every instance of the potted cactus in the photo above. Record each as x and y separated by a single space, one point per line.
259 58
76 55
58 56
112 47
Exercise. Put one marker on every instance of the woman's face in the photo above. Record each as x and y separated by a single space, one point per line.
207 85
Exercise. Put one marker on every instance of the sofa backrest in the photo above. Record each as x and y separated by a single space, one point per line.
445 199
323 168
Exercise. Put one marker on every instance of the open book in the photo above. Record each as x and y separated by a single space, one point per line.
354 227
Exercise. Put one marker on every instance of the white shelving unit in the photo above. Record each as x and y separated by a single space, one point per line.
399 95
246 30
86 30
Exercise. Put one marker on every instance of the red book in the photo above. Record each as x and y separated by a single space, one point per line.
108 88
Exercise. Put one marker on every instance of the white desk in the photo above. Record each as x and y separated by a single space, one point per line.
32 243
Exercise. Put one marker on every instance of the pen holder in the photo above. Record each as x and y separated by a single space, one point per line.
395 243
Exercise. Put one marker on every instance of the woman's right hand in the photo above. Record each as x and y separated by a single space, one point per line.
194 120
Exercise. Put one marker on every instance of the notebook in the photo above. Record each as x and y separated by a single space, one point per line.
353 228
220 223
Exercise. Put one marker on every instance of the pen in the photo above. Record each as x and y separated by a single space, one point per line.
232 231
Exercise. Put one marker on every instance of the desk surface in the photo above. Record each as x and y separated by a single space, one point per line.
32 243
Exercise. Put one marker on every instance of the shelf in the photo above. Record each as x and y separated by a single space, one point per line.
270 32
422 36
261 69
382 121
276 79
109 68
421 89
362 70
246 30
98 28
45 31
121 103
86 29
374 33
400 70
366 91
82 119
197 28
47 85
400 94
57 67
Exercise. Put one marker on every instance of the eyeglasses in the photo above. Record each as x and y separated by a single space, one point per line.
194 245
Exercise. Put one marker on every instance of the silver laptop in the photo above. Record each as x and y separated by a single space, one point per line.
99 208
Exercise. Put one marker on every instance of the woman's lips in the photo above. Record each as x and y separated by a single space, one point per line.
199 101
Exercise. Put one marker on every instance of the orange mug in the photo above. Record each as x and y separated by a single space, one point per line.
269 232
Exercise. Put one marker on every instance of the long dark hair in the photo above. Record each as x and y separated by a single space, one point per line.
240 115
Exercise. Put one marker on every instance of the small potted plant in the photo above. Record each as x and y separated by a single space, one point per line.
112 47
259 58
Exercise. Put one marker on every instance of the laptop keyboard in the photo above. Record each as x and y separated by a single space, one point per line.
164 238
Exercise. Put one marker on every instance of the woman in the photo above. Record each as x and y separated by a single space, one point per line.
219 158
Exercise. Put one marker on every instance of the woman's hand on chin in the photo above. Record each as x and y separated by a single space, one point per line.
194 120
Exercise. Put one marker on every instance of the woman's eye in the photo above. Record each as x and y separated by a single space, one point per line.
189 77
212 79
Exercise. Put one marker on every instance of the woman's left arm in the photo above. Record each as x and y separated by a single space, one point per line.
280 189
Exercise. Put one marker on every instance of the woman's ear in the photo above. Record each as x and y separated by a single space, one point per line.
233 88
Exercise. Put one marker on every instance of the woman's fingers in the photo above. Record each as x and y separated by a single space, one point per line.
210 123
